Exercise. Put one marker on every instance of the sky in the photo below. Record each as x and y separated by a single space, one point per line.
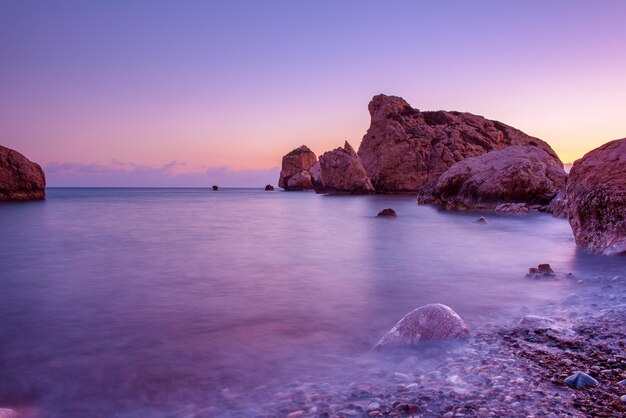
194 93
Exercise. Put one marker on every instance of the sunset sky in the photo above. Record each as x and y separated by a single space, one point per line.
190 93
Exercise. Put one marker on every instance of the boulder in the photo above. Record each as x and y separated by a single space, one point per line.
427 323
295 163
269 188
215 188
343 173
20 178
388 213
516 179
405 149
300 181
316 175
579 380
596 199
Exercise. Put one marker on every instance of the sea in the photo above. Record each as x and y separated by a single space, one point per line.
161 302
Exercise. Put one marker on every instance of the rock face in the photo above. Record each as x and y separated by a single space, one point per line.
405 149
509 180
343 173
596 199
297 163
427 323
20 178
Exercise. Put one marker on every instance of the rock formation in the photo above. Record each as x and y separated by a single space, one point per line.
296 164
427 323
596 199
509 180
387 213
343 173
269 188
20 178
405 149
215 188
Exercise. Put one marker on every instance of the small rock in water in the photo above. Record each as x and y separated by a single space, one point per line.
580 380
542 270
215 188
269 188
387 213
481 220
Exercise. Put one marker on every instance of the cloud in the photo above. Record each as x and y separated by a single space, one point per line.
122 174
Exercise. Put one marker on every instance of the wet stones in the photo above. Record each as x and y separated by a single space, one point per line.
579 380
387 213
427 323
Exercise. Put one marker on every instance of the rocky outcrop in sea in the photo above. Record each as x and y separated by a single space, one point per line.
405 149
20 178
596 199
294 174
516 179
343 173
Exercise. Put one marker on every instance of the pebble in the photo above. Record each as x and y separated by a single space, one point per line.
580 380
373 406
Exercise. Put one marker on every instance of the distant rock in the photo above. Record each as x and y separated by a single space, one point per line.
388 212
343 173
405 149
269 188
481 220
427 323
215 188
579 380
516 179
297 163
596 199
20 178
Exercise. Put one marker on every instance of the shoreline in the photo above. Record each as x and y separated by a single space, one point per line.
509 370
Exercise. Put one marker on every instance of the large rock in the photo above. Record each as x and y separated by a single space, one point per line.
518 175
427 323
343 173
405 149
596 199
295 163
20 178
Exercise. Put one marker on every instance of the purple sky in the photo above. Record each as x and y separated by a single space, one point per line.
190 93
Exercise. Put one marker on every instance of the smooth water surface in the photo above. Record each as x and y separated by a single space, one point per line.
151 302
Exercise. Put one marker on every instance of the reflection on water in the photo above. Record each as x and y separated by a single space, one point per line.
149 302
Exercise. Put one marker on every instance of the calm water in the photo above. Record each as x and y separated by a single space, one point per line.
151 302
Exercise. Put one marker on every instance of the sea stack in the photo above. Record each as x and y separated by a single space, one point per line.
294 174
343 173
596 199
405 149
20 178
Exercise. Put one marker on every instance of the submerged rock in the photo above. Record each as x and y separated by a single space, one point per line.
343 173
596 199
297 163
481 220
580 380
517 177
269 188
542 270
388 212
426 323
405 149
20 178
